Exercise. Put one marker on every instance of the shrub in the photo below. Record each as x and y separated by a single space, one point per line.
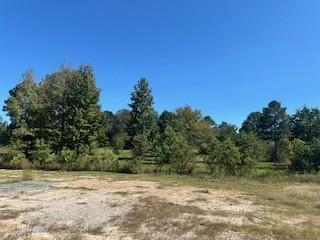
130 167
41 154
306 156
211 160
225 159
173 148
105 161
252 150
13 159
118 143
140 146
66 156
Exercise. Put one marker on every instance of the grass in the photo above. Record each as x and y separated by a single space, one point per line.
282 196
27 174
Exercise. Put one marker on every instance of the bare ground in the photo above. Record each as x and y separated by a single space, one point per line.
91 207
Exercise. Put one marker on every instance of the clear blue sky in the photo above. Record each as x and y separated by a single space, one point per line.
225 57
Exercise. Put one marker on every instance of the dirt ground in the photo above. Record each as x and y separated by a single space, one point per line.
94 208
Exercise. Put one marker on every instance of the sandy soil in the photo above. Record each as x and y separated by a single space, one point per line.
92 208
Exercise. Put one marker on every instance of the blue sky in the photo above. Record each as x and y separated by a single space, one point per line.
225 57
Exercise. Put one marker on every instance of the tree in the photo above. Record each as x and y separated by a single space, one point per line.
142 127
165 120
186 121
82 97
301 160
173 149
4 133
73 111
120 138
306 156
192 126
209 121
23 107
227 131
306 124
225 158
252 123
212 159
274 124
252 149
54 91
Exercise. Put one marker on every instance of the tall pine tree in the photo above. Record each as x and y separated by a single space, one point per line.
143 125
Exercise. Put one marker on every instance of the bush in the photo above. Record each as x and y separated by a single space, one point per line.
306 156
118 143
105 161
66 156
13 159
225 159
129 167
252 150
211 160
140 146
173 148
301 156
41 154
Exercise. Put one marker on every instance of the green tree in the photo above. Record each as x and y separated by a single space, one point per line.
174 149
23 107
4 133
252 124
274 124
195 129
301 160
165 120
72 108
120 136
225 158
82 97
252 150
209 121
227 131
54 91
143 124
306 124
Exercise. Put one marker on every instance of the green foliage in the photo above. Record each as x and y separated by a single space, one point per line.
41 153
72 108
165 120
23 106
13 159
274 124
118 143
227 131
143 123
301 156
271 124
252 149
306 124
212 158
4 133
305 156
58 124
105 161
173 149
252 123
226 158
66 156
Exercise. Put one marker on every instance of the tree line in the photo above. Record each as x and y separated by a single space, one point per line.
58 124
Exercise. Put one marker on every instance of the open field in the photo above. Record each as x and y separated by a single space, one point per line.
62 205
